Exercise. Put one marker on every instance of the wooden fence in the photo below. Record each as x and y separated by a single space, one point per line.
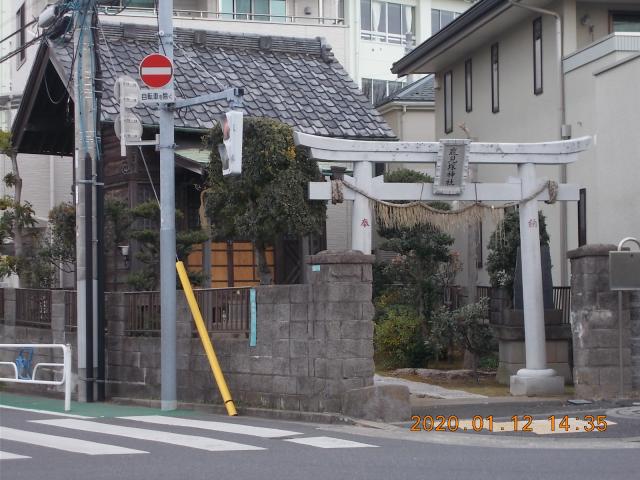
33 308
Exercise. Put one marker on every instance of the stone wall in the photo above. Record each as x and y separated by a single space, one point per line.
595 323
314 343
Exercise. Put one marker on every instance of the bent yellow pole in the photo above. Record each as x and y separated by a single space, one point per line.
206 341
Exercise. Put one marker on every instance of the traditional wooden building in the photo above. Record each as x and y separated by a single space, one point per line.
296 81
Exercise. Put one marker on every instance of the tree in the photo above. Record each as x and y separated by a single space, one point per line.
422 252
16 216
466 327
269 199
147 233
503 248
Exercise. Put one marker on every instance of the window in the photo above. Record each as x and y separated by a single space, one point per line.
441 18
495 91
21 38
468 82
537 56
625 21
448 102
386 22
379 90
261 10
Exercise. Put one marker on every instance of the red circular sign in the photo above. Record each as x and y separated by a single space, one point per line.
156 70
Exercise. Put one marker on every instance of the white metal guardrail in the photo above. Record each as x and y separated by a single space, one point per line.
66 369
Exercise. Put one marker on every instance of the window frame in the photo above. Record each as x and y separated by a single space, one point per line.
373 34
468 85
495 78
21 37
612 13
448 101
388 84
538 86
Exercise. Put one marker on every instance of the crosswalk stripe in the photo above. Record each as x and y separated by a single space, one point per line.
214 426
63 443
329 442
191 441
45 412
10 456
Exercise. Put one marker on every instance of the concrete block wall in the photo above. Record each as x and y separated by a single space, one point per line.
595 323
314 342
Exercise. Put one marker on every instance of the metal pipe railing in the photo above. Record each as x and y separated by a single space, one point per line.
66 369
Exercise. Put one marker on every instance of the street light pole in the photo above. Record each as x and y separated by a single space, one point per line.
168 398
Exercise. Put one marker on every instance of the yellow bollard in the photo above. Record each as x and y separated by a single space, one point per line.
206 341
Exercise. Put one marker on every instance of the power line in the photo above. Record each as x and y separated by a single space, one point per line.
19 30
20 49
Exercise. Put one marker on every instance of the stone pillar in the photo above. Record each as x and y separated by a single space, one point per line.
594 323
342 313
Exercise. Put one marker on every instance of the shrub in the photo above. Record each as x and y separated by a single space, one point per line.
398 340
503 248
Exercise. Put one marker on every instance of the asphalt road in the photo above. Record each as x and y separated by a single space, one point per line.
201 446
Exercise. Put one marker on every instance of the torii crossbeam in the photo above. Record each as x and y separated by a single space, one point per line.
536 378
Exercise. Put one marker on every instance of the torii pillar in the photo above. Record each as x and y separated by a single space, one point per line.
536 378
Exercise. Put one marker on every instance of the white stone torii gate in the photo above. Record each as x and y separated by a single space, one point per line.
536 378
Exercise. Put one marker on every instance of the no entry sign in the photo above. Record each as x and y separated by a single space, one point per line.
156 70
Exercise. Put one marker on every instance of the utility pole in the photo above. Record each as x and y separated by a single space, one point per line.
168 397
85 155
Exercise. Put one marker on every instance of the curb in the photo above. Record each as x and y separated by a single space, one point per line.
290 415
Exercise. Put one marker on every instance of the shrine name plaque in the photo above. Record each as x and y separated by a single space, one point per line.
452 167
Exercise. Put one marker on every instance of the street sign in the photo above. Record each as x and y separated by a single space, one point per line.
126 92
157 95
156 70
129 126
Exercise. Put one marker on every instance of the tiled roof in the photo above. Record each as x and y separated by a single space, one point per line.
296 81
418 91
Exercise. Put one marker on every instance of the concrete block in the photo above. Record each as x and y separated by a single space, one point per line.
282 330
344 311
261 383
281 365
299 331
299 367
332 329
309 386
298 349
281 348
300 293
329 405
282 312
284 384
299 312
536 386
317 348
319 367
597 337
387 403
358 367
239 364
261 365
596 357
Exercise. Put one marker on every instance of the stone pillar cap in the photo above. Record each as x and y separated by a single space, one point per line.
339 256
594 250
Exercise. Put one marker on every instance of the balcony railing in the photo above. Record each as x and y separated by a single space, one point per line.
384 37
238 16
